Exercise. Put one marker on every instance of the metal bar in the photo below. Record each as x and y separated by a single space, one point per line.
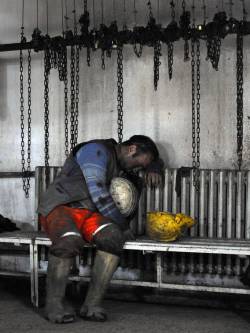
157 206
165 193
247 231
210 264
15 174
183 195
220 206
173 286
238 205
32 276
159 268
35 274
202 204
229 204
211 205
174 196
192 204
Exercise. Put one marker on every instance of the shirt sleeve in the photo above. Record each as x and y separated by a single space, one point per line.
93 161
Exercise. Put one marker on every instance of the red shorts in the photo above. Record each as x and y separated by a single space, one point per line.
64 219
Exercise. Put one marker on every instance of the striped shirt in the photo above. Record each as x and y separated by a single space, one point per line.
93 160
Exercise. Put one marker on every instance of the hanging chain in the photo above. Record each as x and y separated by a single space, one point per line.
77 93
157 63
25 171
120 93
170 59
72 98
138 52
239 74
195 59
103 59
47 67
198 97
66 113
186 43
171 44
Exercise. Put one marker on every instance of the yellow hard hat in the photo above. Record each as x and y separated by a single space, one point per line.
164 226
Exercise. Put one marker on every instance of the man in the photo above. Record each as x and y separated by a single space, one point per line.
78 208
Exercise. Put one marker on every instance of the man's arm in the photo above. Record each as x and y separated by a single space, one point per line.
93 161
154 173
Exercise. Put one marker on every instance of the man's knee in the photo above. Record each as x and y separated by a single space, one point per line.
67 246
109 239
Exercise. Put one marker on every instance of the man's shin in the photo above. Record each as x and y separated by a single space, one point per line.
104 267
57 276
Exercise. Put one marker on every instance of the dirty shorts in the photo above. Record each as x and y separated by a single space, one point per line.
64 219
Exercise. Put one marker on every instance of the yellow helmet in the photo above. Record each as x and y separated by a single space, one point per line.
164 226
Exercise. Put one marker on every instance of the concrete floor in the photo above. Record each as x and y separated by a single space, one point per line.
17 315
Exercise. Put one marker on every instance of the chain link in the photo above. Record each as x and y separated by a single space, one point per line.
72 98
120 93
213 51
77 92
66 113
46 108
195 59
170 59
138 53
239 75
103 59
157 63
25 171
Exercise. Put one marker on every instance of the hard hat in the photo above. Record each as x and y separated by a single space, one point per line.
124 194
164 226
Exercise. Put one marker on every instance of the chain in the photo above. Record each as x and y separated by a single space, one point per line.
138 52
170 59
213 51
186 50
29 117
72 98
198 97
120 93
77 93
239 66
46 109
103 59
195 111
66 114
171 44
157 63
25 171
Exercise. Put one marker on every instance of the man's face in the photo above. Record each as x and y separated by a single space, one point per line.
134 160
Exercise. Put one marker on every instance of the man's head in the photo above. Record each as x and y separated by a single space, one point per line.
137 152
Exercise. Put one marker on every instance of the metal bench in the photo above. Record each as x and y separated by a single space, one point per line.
211 258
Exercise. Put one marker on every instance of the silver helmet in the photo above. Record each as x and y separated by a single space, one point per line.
124 194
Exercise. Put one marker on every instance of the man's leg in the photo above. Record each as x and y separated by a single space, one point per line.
67 242
109 242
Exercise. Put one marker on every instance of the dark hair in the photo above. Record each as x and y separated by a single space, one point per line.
144 145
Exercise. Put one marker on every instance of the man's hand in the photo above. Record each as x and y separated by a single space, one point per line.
153 179
129 235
